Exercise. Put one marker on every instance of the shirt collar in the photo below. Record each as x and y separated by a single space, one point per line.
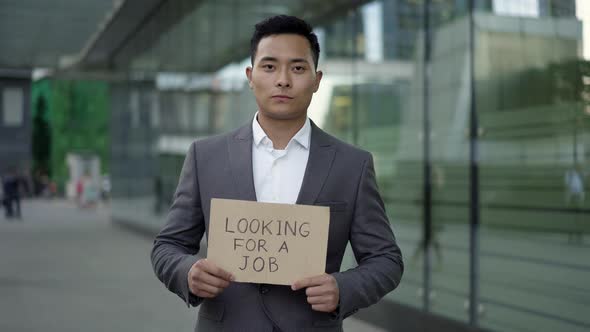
257 132
302 137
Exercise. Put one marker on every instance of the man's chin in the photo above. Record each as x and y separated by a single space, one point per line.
281 115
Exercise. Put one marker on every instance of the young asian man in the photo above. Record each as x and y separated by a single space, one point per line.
282 157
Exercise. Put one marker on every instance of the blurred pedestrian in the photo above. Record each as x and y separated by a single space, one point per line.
11 187
574 197
52 189
574 183
105 188
90 193
79 191
438 184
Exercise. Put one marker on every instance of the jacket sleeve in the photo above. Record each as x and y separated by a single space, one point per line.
380 266
176 245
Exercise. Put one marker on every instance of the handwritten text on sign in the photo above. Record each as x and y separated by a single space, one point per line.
267 242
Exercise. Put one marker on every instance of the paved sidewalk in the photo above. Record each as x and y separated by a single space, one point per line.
65 269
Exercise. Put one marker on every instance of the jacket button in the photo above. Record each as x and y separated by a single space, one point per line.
264 290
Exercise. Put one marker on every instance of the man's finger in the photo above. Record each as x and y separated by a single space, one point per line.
308 282
193 287
317 290
215 270
213 280
204 294
209 289
318 300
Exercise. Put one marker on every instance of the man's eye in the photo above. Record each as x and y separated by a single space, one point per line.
268 67
299 68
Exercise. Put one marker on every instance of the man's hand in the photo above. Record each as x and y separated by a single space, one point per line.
322 292
207 280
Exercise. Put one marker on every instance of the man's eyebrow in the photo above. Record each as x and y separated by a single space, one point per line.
268 58
298 60
273 59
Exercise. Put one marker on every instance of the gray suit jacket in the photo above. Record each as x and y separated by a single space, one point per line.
338 175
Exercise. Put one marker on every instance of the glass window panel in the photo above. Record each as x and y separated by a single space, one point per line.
534 166
12 107
155 110
375 102
448 99
184 104
201 111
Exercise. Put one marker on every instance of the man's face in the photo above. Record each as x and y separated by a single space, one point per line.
283 77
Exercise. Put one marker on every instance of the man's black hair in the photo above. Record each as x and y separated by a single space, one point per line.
282 24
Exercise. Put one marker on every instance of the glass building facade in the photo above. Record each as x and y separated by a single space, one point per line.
477 114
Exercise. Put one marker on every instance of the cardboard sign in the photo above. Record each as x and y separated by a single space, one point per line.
267 242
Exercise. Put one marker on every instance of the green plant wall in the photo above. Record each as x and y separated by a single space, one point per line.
78 116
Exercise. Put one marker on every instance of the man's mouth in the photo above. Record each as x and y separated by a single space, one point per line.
281 97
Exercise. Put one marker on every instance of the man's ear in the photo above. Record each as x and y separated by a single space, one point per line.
249 75
318 77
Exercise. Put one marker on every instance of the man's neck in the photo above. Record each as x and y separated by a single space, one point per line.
280 132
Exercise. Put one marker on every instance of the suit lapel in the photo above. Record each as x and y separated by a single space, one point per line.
321 156
240 160
319 163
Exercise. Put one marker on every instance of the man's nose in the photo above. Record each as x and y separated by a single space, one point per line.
283 81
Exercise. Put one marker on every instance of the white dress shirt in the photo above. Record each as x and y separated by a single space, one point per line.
278 174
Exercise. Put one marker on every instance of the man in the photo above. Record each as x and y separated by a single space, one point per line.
11 188
280 157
